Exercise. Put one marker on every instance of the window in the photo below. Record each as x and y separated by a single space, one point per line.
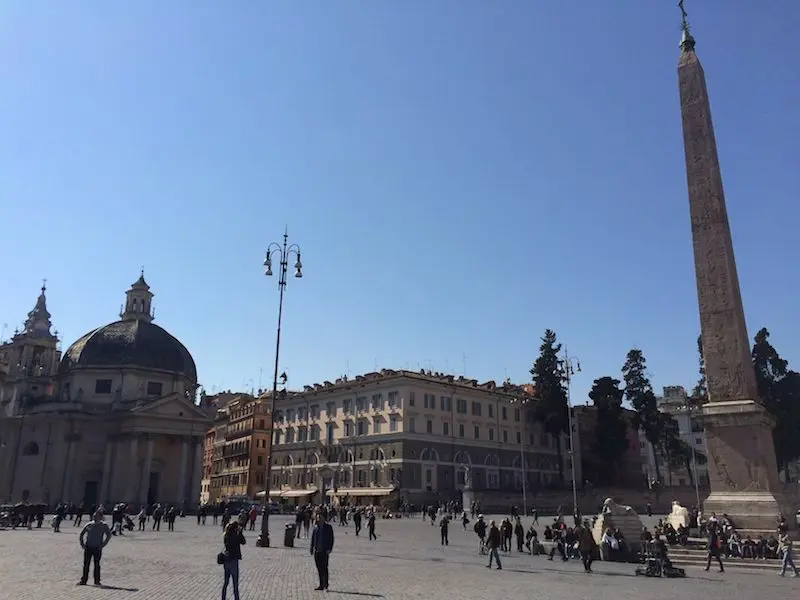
491 434
429 401
477 432
330 408
411 398
505 413
476 409
329 432
363 428
348 428
376 426
377 401
276 437
505 436
290 436
315 411
259 460
530 439
102 386
446 403
446 428
411 425
290 415
461 406
461 430
393 423
154 388
361 403
519 437
429 426
347 405
491 411
516 415
302 413
392 399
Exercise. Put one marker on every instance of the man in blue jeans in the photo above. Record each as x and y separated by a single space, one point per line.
321 548
788 560
493 543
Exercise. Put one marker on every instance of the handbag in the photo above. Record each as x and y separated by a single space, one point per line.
222 557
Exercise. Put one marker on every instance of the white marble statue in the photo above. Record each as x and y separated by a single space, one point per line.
679 515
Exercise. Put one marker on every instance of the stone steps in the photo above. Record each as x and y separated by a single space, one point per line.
697 557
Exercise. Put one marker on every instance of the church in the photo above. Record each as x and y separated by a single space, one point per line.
111 420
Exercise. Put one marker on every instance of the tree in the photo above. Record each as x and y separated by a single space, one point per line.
611 440
551 408
779 392
700 392
639 393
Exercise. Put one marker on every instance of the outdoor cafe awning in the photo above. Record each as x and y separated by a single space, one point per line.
365 491
289 493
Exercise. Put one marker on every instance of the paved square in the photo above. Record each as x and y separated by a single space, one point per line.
407 561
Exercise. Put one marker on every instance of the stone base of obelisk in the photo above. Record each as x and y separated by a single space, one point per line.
742 469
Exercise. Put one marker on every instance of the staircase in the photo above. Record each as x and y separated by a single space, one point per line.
696 555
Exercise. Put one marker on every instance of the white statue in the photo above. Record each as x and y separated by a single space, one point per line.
612 508
679 515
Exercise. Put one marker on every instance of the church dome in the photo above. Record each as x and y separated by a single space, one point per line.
130 343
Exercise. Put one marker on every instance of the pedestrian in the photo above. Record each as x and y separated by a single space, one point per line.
444 525
321 548
232 540
586 546
788 560
93 538
714 545
371 526
493 542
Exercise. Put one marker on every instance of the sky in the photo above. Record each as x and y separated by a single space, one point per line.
460 175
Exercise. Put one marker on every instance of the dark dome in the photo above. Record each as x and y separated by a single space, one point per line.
134 343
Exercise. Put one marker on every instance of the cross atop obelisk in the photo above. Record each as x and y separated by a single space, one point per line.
741 456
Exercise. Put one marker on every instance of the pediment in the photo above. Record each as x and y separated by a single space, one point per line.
172 405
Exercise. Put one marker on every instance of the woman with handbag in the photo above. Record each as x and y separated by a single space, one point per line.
229 558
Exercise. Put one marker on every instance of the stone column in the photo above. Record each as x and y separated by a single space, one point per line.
132 474
197 472
182 483
69 461
144 485
107 462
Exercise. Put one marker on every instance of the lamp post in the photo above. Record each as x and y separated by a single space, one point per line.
283 252
689 408
570 366
523 402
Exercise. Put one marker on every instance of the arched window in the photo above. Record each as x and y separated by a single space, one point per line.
30 449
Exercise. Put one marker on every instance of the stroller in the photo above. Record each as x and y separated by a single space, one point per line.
656 562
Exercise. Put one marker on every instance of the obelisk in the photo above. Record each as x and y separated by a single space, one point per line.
742 468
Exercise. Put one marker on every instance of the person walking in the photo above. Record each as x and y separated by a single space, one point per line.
788 559
321 548
586 546
444 525
233 540
371 526
493 543
93 538
714 545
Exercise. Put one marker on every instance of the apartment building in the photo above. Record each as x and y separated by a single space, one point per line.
208 465
239 447
419 436
675 402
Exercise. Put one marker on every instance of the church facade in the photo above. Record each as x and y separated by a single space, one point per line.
111 420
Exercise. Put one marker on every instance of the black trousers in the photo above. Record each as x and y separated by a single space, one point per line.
321 561
586 559
89 555
719 560
372 535
445 541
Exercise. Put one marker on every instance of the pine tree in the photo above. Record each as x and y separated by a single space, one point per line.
639 393
700 392
611 439
551 407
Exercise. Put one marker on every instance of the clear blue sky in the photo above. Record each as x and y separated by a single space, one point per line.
460 175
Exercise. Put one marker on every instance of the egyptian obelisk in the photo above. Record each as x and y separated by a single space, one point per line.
742 469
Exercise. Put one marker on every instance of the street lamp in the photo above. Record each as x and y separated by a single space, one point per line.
689 408
571 365
283 253
523 402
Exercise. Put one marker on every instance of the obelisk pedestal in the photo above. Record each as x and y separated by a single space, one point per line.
742 467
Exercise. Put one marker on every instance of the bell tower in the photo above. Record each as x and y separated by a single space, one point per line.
138 302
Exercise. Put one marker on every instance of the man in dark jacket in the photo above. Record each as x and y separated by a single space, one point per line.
93 538
321 548
493 542
714 545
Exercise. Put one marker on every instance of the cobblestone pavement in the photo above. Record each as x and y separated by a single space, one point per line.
406 562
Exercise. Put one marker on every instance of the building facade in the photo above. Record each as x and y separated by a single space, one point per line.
421 437
113 420
240 447
675 402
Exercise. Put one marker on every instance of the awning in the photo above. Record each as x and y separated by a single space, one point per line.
289 493
366 491
298 493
